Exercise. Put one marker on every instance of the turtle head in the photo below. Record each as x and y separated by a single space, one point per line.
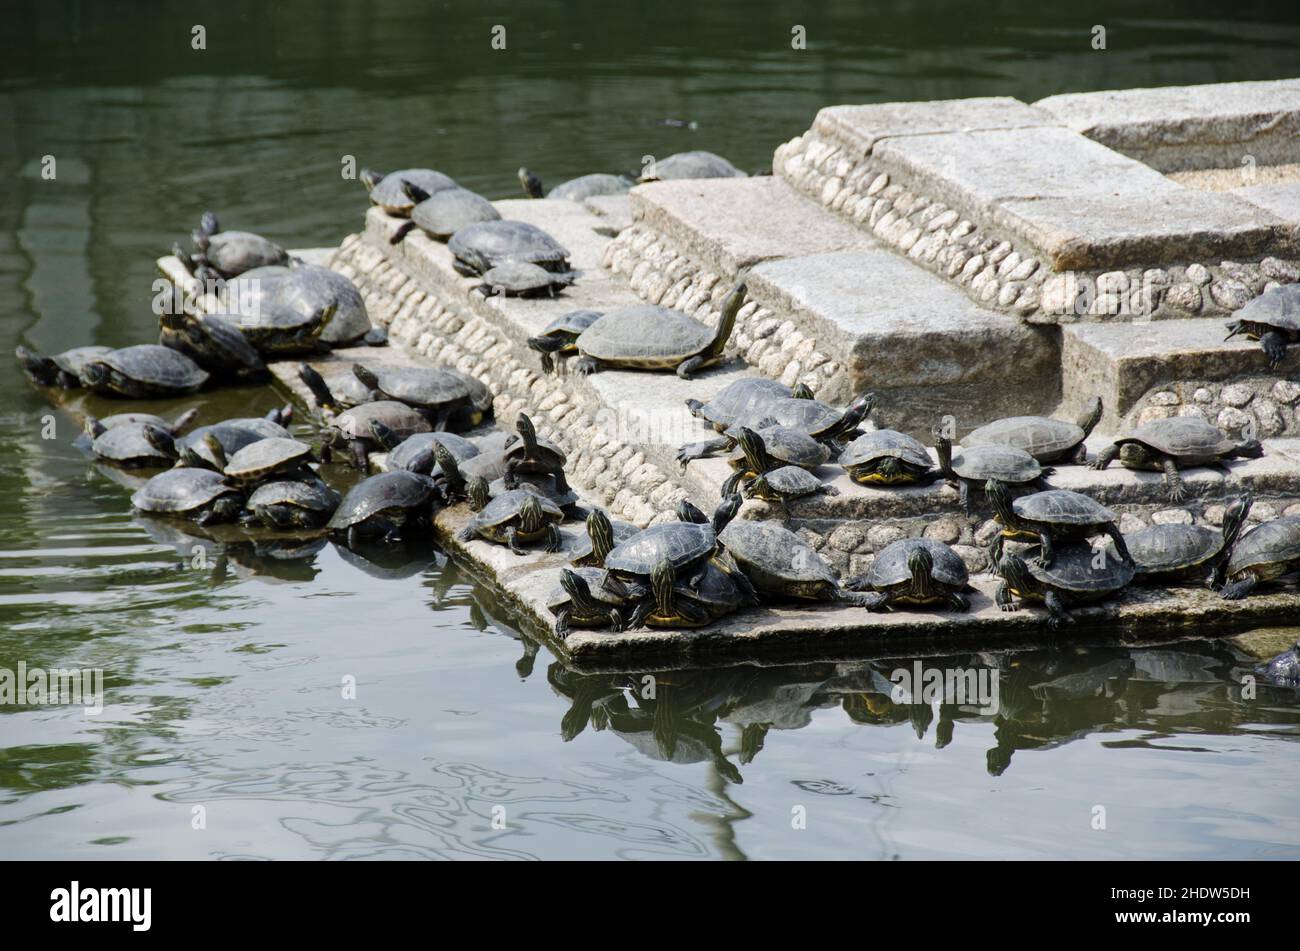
730 308
321 319
414 192
450 470
366 376
39 368
94 428
95 374
1015 572
801 392
943 446
159 439
531 517
1248 449
184 421
281 416
921 564
858 411
208 226
1234 327
479 493
755 450
726 511
686 512
662 578
218 451
170 320
532 184
1090 416
370 178
183 256
1234 517
527 432
999 494
601 533
320 391
576 587
384 435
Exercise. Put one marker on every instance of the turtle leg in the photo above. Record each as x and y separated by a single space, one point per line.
691 365
875 601
553 538
359 457
1240 588
827 489
1177 491
1057 614
562 622
732 482
392 533
512 539
1080 457
963 495
640 614
1105 457
616 620
585 366
402 232
467 534
1274 345
700 450
854 583
958 602
1116 536
1004 599
511 477
995 548
1047 553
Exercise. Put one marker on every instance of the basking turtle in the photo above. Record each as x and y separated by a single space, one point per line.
478 248
779 564
771 480
268 459
817 420
603 536
226 254
1171 444
915 571
1283 669
141 372
489 465
1272 318
559 337
1047 440
308 289
1173 553
545 486
696 164
784 483
93 427
675 603
514 518
254 289
533 454
973 467
289 504
887 457
201 495
441 214
389 191
352 433
582 601
280 330
518 279
131 445
62 370
436 392
213 341
343 392
685 543
1266 552
232 435
384 506
1076 575
1054 515
415 453
656 338
577 189
737 401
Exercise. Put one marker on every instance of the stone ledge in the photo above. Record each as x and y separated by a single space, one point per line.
860 128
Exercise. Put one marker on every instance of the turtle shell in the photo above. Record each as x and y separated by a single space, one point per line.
695 164
538 485
415 454
1062 507
445 212
378 493
1004 463
71 361
774 558
181 490
571 324
1075 569
1268 544
255 288
811 416
890 566
484 245
1277 307
682 543
389 195
1165 548
716 590
426 387
313 496
881 443
741 399
125 444
515 278
224 348
488 464
231 253
792 481
648 336
266 456
1040 436
589 186
307 289
505 507
158 368
1188 437
787 445
400 418
233 435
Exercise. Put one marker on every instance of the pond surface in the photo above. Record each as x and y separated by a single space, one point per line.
225 677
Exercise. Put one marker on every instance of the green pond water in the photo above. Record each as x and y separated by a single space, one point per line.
224 702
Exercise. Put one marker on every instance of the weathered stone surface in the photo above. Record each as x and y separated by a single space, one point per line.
1186 127
859 128
1281 199
614 211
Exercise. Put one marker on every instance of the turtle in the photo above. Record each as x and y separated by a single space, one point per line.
343 392
973 467
799 411
308 289
1284 669
281 330
1171 444
1268 551
383 506
514 518
779 564
351 431
782 445
518 279
478 248
1272 318
143 371
131 445
248 293
915 571
649 337
93 426
62 370
737 400
533 454
603 536
582 601
769 479
559 337
201 495
696 164
887 457
452 484
227 254
415 452
442 213
433 391
489 465
686 543
267 459
545 486
577 189
389 191
675 603
1076 575
214 342
292 503
1051 516
478 405
784 483
1047 440
1173 553
194 449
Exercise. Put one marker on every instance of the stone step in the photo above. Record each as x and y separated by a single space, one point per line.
1157 366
